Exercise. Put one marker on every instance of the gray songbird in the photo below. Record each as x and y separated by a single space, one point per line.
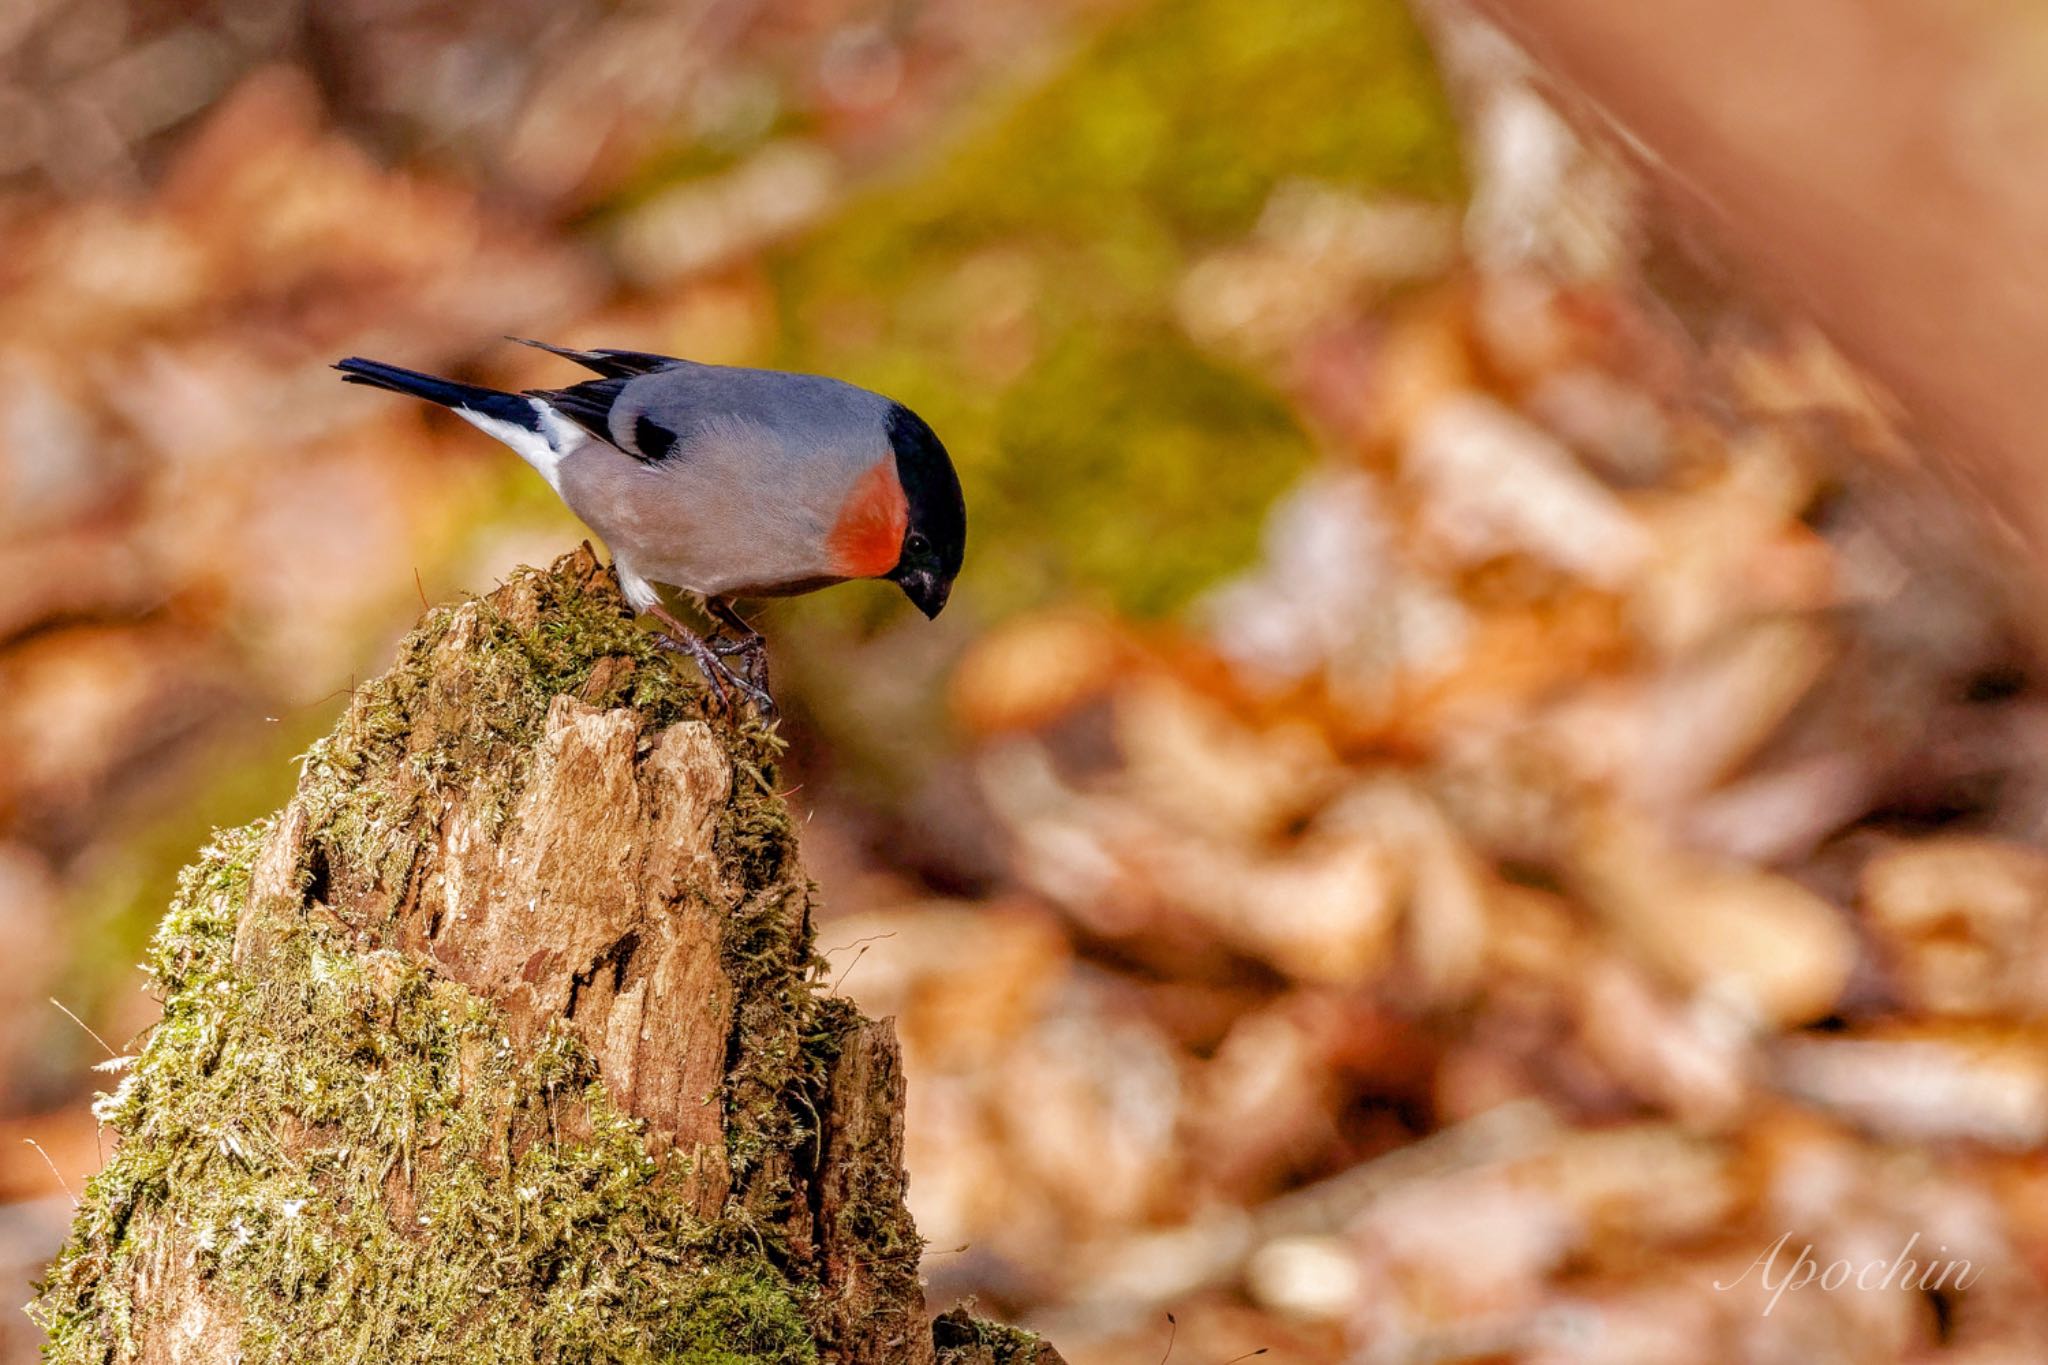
727 483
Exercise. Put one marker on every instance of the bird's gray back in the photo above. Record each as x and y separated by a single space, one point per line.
813 415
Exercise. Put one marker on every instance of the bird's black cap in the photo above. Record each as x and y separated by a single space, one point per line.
935 538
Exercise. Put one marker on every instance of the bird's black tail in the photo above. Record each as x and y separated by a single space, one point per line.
494 403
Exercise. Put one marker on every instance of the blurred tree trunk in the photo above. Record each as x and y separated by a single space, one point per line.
501 1042
1876 161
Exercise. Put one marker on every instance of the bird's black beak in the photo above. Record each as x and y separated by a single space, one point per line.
926 591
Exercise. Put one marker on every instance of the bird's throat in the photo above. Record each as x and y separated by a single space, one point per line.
867 540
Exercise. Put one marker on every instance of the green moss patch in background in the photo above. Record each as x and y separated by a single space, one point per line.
1019 292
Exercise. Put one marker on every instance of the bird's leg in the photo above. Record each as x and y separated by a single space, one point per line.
724 682
750 644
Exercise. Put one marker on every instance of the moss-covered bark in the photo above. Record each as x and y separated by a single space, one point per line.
501 1043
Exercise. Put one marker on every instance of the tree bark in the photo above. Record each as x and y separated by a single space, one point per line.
502 1042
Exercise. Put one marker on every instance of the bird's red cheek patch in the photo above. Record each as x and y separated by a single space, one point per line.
867 540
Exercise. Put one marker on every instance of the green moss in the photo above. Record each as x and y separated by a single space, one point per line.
1099 448
368 1165
738 1317
964 1339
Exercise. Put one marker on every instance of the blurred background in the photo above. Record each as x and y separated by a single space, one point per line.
1480 774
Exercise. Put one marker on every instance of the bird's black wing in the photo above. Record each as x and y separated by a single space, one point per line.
631 362
589 405
612 364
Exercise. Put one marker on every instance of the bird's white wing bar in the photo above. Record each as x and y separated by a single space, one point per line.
545 449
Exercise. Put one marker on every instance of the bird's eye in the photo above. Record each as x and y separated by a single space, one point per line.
917 544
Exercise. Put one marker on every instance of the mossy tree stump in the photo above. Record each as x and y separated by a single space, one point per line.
502 1043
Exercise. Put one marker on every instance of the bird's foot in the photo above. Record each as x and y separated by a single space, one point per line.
748 643
726 685
752 649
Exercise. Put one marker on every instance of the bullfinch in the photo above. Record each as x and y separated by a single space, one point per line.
727 483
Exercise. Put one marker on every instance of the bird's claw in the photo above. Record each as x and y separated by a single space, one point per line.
753 651
758 696
725 683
